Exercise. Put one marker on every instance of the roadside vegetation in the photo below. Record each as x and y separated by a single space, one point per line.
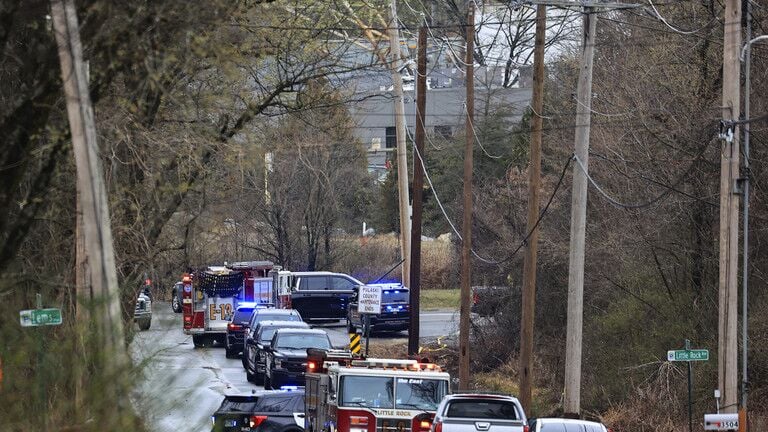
225 136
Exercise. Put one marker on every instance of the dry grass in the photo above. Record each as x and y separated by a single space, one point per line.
368 258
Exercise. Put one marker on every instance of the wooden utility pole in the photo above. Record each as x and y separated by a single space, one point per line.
466 231
572 401
534 184
418 191
97 246
402 159
727 354
743 417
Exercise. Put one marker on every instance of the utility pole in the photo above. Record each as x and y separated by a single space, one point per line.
418 191
727 355
466 231
572 401
743 417
402 159
97 259
534 184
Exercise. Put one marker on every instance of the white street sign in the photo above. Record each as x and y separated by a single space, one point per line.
369 299
721 422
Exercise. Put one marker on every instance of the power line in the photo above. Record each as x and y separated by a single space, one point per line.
615 202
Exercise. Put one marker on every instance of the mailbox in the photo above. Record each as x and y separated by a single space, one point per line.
721 422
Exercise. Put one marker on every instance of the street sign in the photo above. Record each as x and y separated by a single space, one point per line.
369 299
40 317
688 355
721 422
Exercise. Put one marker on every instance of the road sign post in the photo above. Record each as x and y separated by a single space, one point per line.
368 303
689 355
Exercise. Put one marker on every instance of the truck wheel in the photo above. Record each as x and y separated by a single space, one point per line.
230 352
145 323
175 305
202 341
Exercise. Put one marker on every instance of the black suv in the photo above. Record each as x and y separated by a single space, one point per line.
322 295
253 351
395 311
236 330
266 411
286 357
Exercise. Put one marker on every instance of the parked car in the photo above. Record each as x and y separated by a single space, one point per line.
395 311
176 293
565 425
322 295
235 335
143 312
286 357
255 344
479 412
265 411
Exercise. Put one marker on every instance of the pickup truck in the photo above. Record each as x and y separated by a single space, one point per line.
479 413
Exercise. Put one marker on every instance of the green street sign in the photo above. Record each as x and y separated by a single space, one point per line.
688 355
40 317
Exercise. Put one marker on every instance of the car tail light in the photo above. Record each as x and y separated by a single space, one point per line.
358 421
257 420
311 366
232 327
526 428
424 425
439 427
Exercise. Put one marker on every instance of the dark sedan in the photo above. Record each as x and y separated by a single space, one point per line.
266 411
255 344
286 357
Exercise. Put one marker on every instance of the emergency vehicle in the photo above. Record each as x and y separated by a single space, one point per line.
210 297
372 395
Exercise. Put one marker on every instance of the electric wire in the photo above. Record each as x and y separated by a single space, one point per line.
633 206
456 231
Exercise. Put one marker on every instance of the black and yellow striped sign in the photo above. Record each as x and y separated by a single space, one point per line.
354 343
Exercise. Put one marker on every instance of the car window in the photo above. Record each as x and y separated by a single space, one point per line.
242 316
317 283
303 341
483 409
341 283
267 333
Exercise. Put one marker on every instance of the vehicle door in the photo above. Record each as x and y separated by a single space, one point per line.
341 290
312 298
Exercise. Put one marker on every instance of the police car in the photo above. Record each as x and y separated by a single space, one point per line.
264 411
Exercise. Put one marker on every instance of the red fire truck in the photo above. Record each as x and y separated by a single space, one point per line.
373 395
210 297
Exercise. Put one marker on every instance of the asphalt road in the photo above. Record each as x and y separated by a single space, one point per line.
179 387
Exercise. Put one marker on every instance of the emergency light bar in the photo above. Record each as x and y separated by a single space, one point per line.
247 304
396 364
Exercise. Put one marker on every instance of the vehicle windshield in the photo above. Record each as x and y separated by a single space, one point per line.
303 341
377 392
394 296
259 317
242 316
